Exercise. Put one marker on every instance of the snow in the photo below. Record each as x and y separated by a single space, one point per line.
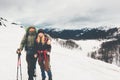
72 65
88 46
9 41
65 64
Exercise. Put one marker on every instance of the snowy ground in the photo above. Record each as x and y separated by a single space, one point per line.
65 64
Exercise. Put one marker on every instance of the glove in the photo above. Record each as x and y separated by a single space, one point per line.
35 55
48 53
18 51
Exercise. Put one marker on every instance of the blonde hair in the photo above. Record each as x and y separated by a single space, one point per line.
42 41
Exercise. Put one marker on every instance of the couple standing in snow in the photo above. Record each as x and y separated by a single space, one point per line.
37 45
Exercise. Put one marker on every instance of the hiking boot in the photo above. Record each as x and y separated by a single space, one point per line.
50 79
30 78
43 79
34 75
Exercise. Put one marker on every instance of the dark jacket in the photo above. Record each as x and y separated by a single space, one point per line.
42 47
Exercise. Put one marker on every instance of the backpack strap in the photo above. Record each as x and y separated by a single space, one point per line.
46 40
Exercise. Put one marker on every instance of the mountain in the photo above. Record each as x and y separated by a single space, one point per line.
85 33
5 23
102 32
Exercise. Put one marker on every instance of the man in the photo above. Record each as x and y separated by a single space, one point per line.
28 43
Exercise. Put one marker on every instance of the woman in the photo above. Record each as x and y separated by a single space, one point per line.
43 48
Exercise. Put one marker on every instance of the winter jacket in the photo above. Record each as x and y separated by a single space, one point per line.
28 40
42 47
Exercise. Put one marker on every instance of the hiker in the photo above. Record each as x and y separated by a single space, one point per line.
28 43
43 49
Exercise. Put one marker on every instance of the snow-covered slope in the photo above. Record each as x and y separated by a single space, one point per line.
65 64
9 40
71 65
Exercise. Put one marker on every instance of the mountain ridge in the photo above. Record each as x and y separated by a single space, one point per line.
85 33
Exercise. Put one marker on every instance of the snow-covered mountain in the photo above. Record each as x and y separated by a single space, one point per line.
66 64
85 33
6 23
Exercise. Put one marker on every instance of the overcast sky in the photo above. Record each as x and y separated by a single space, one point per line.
65 13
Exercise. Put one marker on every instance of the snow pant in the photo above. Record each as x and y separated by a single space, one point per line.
31 64
45 66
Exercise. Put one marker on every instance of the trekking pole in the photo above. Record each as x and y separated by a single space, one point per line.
35 70
35 74
19 65
20 69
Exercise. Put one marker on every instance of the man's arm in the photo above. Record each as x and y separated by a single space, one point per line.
23 42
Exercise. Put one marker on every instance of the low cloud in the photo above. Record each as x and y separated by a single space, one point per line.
62 12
